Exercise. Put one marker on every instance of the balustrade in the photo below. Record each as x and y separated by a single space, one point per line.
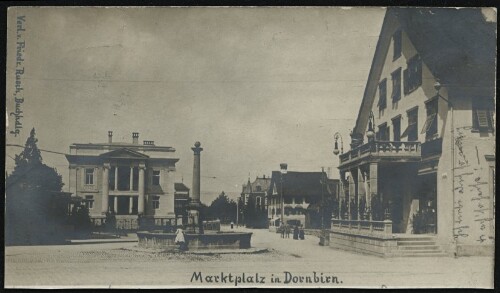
409 148
384 227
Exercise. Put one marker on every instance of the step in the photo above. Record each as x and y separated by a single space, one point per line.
419 247
437 254
416 239
419 251
412 242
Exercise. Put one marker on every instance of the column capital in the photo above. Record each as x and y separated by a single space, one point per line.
197 149
106 165
142 167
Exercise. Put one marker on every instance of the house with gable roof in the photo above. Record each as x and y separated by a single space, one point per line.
419 178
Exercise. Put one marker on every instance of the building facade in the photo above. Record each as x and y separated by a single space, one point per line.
129 179
423 146
254 202
299 194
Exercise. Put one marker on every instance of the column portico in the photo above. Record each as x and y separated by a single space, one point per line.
105 188
140 205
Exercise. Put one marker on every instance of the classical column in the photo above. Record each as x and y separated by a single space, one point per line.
373 183
116 204
116 178
352 192
195 196
140 206
131 178
131 204
105 188
361 192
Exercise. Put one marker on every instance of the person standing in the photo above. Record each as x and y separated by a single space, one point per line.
180 239
282 229
301 233
287 229
296 233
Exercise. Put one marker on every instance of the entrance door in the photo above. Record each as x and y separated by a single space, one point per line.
123 205
425 221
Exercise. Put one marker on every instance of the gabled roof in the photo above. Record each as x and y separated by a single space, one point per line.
299 183
124 153
180 187
457 45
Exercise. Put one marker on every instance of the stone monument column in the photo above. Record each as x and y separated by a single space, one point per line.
194 221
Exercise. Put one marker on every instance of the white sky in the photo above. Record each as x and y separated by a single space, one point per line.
257 86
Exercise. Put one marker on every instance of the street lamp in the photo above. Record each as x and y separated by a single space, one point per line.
283 169
370 133
336 136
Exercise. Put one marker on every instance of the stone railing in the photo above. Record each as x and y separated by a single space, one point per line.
362 227
382 148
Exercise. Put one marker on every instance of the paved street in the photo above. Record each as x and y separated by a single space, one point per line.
123 265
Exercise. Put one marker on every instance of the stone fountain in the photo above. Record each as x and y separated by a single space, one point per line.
195 235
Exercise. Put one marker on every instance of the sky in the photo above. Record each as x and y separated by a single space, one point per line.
256 86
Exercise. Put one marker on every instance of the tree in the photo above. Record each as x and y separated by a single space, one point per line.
29 192
223 208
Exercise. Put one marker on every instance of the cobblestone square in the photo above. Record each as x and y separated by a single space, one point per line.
118 264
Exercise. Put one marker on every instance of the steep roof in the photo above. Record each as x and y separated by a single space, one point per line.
251 187
457 45
180 187
299 183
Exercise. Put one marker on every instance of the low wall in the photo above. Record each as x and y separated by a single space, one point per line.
196 241
366 244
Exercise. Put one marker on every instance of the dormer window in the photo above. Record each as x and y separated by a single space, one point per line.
397 43
382 91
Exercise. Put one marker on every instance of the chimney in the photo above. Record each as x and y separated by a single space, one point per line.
264 176
110 136
135 137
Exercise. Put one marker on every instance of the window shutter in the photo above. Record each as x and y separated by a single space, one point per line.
482 118
428 123
405 81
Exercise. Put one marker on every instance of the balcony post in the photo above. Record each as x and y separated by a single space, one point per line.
373 184
387 227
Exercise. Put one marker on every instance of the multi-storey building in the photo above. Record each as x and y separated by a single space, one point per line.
130 179
296 197
255 193
427 166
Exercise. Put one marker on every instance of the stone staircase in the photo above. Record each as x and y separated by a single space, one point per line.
418 246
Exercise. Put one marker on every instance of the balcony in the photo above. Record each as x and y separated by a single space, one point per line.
383 150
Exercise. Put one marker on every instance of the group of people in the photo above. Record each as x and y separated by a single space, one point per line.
298 231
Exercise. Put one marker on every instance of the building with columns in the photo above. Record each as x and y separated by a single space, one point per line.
129 179
419 178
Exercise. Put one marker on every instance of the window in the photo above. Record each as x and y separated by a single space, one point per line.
299 200
397 44
258 188
89 202
89 176
396 85
482 114
412 129
156 177
156 202
287 200
412 75
430 126
383 132
382 91
396 128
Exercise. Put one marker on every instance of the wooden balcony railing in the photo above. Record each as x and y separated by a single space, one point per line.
383 148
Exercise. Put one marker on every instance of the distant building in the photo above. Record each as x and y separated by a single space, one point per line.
428 165
129 179
256 193
181 197
302 194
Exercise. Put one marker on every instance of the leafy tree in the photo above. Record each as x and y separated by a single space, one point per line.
29 195
223 209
